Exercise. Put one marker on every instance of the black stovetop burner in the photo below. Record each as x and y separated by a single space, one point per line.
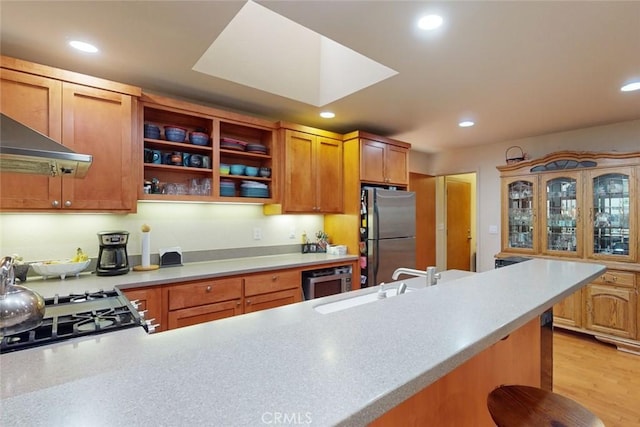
76 315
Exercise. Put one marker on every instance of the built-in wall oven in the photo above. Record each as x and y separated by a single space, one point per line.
325 282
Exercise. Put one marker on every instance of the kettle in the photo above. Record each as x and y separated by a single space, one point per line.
21 309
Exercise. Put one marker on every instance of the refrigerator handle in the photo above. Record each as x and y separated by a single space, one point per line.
376 263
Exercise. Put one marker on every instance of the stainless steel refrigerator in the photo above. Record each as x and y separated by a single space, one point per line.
388 233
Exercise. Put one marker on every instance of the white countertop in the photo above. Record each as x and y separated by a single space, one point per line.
342 368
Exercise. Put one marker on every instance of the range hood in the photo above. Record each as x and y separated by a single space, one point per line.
25 150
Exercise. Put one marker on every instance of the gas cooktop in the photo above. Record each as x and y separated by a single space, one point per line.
76 315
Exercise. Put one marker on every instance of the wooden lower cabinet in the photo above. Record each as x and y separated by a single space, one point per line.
201 301
568 312
271 290
148 300
611 310
460 397
203 313
272 300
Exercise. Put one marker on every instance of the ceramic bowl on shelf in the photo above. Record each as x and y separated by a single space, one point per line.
151 131
251 171
175 134
224 169
199 138
237 169
265 172
59 268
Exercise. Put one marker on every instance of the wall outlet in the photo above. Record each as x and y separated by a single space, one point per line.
257 233
493 229
292 233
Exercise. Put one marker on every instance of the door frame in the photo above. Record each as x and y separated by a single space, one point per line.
441 215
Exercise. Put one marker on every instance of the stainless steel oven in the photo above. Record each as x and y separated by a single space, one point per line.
325 282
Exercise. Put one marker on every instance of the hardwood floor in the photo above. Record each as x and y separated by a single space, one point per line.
598 376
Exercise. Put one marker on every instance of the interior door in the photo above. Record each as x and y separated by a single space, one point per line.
458 225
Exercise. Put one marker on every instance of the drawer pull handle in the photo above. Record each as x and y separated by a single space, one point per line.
248 301
209 288
274 278
610 279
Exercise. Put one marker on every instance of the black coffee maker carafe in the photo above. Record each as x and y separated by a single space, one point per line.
112 258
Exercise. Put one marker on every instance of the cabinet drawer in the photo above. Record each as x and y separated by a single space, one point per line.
202 292
271 282
204 313
624 279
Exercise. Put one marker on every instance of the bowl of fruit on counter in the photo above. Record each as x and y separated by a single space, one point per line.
63 268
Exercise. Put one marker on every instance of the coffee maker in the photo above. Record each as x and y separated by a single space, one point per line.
112 258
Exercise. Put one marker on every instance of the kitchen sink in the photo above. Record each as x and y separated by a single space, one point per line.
343 304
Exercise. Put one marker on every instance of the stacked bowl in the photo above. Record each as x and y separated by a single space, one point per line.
151 131
175 134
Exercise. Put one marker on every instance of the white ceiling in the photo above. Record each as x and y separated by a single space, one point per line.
519 69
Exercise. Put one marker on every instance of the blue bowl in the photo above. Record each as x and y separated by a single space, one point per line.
251 171
199 138
174 134
237 169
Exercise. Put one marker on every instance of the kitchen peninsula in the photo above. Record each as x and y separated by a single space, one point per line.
351 367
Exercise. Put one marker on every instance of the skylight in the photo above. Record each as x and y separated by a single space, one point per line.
266 51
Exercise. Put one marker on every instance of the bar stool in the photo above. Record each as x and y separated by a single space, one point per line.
525 406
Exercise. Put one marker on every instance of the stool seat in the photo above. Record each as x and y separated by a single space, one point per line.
524 406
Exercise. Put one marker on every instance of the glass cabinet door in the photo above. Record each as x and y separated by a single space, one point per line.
519 228
561 198
612 230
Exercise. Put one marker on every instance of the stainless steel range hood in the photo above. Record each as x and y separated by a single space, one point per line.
25 150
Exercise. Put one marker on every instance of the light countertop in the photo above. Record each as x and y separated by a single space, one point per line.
342 368
88 281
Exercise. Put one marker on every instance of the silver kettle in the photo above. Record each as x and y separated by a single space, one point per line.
21 309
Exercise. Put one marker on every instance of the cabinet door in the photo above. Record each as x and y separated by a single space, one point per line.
203 313
611 310
37 102
299 185
272 300
612 231
329 175
519 220
149 300
396 165
568 312
372 155
561 204
99 122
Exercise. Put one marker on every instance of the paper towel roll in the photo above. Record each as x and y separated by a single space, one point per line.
146 252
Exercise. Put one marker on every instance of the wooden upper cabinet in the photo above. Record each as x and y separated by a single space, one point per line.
382 160
37 102
313 172
87 114
99 123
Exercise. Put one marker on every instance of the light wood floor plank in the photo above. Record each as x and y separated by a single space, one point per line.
598 376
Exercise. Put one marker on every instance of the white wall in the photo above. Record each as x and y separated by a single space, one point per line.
192 226
483 160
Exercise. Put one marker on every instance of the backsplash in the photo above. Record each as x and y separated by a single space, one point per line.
194 227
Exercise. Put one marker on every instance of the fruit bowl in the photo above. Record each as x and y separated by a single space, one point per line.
59 268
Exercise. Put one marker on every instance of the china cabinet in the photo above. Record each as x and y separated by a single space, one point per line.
87 114
584 207
181 170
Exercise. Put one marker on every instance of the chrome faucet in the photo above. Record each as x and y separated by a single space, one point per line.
432 276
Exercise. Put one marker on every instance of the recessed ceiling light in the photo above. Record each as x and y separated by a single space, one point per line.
82 46
466 124
327 115
630 87
430 22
